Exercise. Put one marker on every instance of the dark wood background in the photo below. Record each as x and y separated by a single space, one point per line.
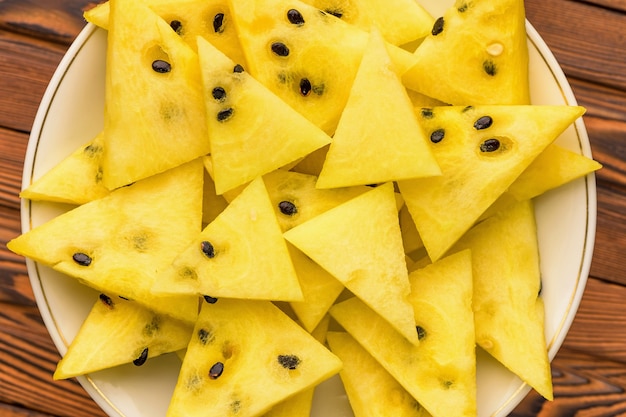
589 40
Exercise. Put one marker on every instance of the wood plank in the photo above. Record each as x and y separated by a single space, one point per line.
12 411
27 362
60 21
12 152
15 286
608 148
610 246
600 321
583 29
584 385
31 66
617 5
600 100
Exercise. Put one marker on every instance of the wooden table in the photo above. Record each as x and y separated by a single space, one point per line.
588 38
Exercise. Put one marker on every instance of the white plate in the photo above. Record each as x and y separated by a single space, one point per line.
71 113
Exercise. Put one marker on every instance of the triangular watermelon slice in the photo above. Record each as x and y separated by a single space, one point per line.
509 309
480 49
120 243
366 147
244 357
189 19
309 58
241 254
370 388
481 150
440 371
117 332
77 179
359 242
300 404
154 116
246 120
399 21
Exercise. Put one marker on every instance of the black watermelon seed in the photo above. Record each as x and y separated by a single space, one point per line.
142 358
106 300
209 299
205 336
463 8
438 26
238 69
161 66
305 87
219 93
336 13
208 249
224 115
490 145
218 23
92 150
295 17
467 108
177 26
287 208
421 333
82 259
280 49
490 67
437 136
483 123
289 361
216 370
427 113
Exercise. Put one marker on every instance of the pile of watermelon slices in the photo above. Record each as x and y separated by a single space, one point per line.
285 190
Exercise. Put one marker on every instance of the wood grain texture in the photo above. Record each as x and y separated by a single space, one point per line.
594 36
584 386
31 363
587 37
59 21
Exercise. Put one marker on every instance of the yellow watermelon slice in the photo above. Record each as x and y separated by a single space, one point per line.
241 254
480 49
77 179
371 390
481 150
399 21
359 242
154 109
295 200
367 148
246 120
118 244
117 332
508 308
244 357
440 371
307 57
299 405
212 204
554 167
190 19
